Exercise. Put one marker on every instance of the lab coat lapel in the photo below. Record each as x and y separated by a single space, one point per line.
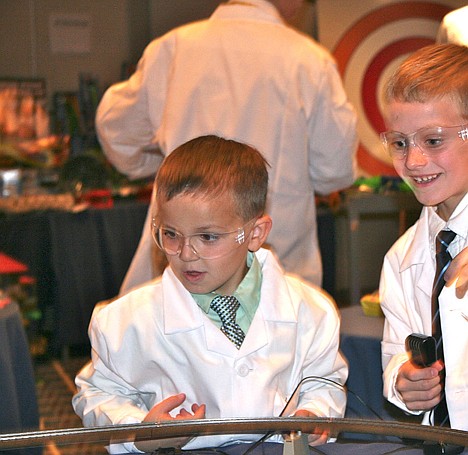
181 313
275 305
254 340
426 278
217 342
269 315
418 257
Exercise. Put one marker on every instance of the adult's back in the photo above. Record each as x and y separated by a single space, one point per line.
454 27
245 75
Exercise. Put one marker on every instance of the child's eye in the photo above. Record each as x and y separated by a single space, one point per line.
170 235
433 142
208 237
398 144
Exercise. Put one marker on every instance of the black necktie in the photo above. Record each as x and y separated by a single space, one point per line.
226 306
443 260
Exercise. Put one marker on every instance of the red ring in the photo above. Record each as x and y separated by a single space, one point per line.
373 71
353 37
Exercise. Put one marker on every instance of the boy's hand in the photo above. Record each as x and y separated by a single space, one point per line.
161 412
314 439
419 388
458 271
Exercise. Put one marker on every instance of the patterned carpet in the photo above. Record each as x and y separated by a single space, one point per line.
55 388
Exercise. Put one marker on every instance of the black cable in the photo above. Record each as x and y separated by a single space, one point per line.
365 404
266 436
302 381
403 449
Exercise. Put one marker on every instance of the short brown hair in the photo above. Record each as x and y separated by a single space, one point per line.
210 166
432 72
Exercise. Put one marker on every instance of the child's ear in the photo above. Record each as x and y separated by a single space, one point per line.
260 231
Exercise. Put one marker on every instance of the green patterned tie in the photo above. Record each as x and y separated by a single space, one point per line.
226 306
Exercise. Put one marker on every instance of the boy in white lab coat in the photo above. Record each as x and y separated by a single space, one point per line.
426 113
163 352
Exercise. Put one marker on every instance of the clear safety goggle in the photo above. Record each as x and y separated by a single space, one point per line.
205 245
431 141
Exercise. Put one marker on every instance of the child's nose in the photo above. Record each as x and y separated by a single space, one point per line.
187 252
415 157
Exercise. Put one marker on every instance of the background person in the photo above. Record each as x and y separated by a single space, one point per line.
246 75
454 27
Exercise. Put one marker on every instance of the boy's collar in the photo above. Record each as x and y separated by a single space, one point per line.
248 289
457 221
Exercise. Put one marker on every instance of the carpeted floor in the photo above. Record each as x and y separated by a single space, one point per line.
55 388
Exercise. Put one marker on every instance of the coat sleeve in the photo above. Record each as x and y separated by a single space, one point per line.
332 128
130 112
324 369
103 397
396 327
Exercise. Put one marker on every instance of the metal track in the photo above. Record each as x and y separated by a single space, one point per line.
204 427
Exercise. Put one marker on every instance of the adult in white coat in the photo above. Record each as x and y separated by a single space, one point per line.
243 74
428 142
454 27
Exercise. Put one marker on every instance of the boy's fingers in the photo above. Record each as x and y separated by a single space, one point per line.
461 289
170 403
199 411
174 401
458 272
461 285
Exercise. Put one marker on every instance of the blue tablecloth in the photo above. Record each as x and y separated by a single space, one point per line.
360 343
361 336
18 402
78 259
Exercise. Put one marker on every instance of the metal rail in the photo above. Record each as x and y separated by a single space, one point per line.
204 427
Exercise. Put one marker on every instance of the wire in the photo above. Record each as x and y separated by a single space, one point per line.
293 396
403 449
365 404
266 436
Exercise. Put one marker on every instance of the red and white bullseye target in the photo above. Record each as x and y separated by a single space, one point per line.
368 52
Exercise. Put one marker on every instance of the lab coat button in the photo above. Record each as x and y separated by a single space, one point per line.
243 370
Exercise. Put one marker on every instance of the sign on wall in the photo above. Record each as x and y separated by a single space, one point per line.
70 33
369 38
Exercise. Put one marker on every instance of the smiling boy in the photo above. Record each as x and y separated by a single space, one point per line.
175 341
426 113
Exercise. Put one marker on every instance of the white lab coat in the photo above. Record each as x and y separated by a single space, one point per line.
242 74
406 285
155 342
454 27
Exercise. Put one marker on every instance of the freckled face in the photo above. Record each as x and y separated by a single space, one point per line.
189 214
440 180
